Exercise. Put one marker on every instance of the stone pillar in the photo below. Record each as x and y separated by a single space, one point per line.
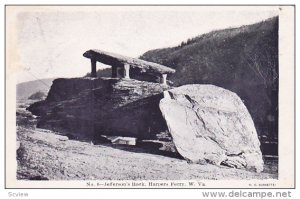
126 71
114 72
93 73
167 95
164 79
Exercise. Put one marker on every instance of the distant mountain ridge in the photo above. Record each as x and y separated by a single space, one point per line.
243 60
26 89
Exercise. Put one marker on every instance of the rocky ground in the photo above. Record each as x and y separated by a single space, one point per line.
44 155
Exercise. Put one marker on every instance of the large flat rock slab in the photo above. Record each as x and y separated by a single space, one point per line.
117 60
209 124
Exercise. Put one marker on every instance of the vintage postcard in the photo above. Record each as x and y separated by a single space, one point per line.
149 96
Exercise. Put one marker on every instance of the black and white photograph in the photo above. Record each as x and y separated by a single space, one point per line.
149 96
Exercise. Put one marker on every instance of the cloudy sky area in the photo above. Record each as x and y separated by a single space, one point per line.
51 44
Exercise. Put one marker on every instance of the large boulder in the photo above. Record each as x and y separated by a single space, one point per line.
87 108
209 124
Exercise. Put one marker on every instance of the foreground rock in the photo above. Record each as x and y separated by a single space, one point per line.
209 124
86 108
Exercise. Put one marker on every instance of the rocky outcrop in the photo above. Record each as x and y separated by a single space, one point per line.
86 108
209 124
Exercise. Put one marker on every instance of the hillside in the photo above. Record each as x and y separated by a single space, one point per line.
243 60
26 89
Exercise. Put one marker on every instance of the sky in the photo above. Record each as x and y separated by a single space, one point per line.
51 41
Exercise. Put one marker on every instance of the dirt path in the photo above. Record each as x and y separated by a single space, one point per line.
44 155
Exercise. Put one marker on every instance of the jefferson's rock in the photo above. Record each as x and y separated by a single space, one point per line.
209 124
87 108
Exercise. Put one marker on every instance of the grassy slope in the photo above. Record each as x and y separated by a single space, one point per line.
231 58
